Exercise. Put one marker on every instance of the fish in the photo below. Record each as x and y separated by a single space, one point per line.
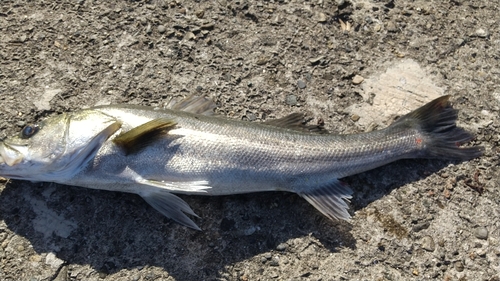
185 148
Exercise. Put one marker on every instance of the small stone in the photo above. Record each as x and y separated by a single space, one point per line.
189 35
321 17
301 84
53 261
316 60
207 26
428 244
63 274
149 29
275 261
355 117
161 28
21 123
391 27
281 247
262 60
36 258
377 27
459 266
482 33
200 13
251 116
291 100
420 226
481 233
357 79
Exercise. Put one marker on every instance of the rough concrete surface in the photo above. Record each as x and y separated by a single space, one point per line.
355 64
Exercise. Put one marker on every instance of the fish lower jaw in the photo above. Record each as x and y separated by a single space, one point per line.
9 155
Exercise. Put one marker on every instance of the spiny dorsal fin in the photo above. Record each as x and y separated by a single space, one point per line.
143 135
295 121
192 104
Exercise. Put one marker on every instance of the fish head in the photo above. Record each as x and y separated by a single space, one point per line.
56 148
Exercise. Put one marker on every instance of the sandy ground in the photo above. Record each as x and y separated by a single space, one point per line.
354 64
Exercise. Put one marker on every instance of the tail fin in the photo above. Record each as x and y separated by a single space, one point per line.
443 138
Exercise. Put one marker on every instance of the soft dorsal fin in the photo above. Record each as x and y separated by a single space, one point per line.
143 135
295 121
192 104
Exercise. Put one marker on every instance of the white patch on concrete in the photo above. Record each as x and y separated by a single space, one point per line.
43 102
403 87
49 222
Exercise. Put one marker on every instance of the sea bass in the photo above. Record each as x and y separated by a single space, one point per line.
185 149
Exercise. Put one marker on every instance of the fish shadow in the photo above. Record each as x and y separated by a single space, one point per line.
111 231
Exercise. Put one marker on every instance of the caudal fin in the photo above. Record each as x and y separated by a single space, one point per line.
442 138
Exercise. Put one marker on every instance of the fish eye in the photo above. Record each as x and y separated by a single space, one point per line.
29 131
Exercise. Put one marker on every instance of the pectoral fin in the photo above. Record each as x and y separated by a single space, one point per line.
330 199
171 206
141 136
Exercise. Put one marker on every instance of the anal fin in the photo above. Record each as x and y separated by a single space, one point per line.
141 136
170 206
330 199
179 187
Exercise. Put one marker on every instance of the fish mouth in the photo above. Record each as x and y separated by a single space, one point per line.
9 155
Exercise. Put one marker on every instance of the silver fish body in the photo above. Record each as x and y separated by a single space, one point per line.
210 155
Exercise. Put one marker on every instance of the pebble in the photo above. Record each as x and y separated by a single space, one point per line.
200 13
459 266
251 116
481 233
420 226
391 27
53 261
428 244
189 35
161 29
281 247
36 258
482 33
301 84
275 261
357 79
291 100
321 17
316 60
208 26
355 117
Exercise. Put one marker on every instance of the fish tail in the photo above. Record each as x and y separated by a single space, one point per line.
441 138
